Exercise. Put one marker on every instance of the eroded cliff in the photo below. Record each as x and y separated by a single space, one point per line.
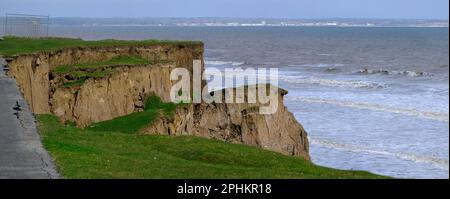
238 123
33 71
121 89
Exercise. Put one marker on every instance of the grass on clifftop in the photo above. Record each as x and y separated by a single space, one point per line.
114 149
11 45
120 60
81 72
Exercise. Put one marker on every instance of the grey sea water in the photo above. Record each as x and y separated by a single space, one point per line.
373 99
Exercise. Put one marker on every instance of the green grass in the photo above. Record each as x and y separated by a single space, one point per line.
81 72
93 74
134 122
114 149
120 60
153 102
11 45
79 77
74 83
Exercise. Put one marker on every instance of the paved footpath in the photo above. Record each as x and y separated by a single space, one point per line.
21 153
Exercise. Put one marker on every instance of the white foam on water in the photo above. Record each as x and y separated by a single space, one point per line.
224 63
438 116
334 83
326 54
322 65
389 72
437 162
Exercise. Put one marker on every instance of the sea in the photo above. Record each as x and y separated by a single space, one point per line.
371 98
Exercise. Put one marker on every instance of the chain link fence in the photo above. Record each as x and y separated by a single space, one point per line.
26 25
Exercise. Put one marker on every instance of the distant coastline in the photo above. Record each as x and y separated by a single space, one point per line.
237 22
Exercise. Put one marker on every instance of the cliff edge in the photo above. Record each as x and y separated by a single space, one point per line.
91 84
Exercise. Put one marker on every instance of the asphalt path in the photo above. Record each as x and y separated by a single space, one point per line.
21 153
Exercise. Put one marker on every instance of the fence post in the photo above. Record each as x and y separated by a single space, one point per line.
6 24
48 24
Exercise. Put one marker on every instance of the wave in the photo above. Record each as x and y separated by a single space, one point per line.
322 65
224 63
388 72
432 160
333 69
334 83
438 91
443 117
326 54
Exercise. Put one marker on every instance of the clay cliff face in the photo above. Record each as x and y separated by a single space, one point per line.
123 92
32 71
238 123
119 94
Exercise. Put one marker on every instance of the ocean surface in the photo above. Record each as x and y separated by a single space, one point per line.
374 99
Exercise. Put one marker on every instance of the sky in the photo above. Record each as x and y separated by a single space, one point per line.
301 9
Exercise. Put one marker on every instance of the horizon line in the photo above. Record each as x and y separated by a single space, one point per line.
241 18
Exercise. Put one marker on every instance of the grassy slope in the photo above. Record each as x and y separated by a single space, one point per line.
121 60
82 72
113 149
11 45
134 122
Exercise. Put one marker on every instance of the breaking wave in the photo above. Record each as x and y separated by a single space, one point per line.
432 160
321 65
388 72
224 63
334 83
376 107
